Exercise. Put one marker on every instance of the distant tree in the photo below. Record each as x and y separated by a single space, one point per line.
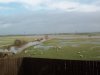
19 42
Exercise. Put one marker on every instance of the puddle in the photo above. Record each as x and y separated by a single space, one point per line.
75 45
43 47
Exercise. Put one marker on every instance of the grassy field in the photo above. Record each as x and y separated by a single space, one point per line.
61 47
8 40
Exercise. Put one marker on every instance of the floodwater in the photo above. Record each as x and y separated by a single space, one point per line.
65 42
43 47
18 50
71 43
15 50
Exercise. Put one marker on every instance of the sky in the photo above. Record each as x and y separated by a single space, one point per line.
49 16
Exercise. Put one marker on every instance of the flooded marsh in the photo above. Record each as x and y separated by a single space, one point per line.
61 48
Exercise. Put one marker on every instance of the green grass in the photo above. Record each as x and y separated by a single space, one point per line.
81 52
75 49
4 41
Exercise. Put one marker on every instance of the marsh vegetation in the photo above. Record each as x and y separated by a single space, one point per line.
75 47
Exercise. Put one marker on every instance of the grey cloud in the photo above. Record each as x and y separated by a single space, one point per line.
51 23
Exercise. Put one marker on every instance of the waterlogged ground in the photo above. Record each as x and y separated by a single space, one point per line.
75 49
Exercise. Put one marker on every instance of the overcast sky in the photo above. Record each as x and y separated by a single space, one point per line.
49 16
